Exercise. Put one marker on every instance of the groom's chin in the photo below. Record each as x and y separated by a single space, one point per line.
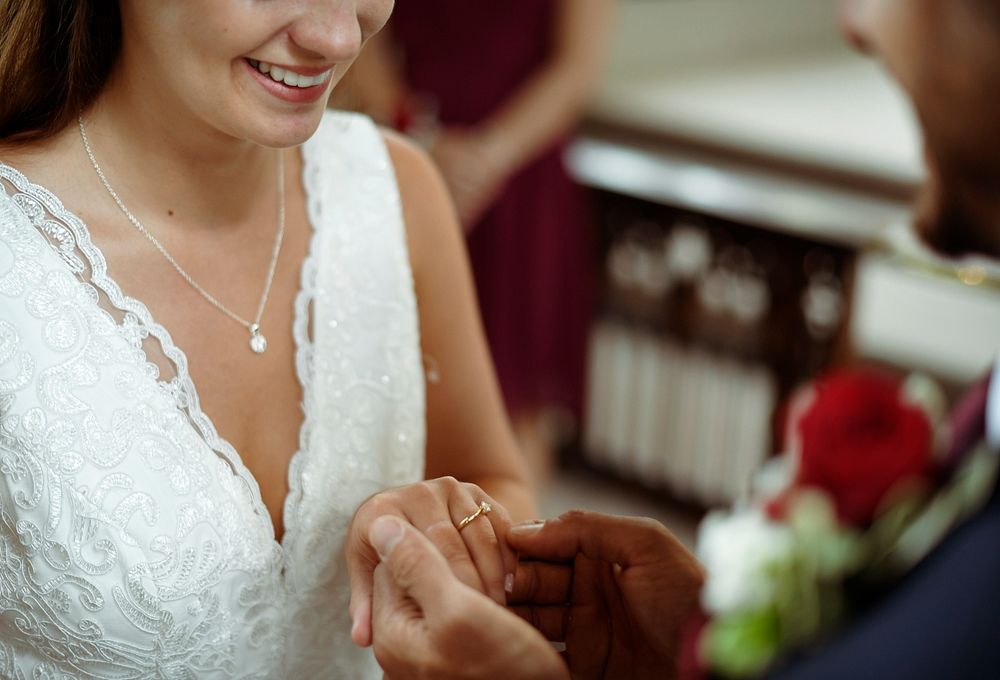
955 227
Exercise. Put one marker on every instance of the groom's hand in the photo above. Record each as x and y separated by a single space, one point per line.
616 590
426 623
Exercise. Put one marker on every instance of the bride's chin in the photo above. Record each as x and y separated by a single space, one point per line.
283 132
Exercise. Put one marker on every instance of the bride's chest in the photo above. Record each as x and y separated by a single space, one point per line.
254 401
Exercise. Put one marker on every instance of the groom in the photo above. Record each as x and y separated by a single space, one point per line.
629 583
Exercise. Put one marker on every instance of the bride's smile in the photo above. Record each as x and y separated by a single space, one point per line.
297 86
200 63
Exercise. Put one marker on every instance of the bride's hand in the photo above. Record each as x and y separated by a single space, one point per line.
478 554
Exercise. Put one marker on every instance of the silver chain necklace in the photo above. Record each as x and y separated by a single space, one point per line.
258 343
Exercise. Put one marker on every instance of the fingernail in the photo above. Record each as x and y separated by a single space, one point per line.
527 528
385 533
508 583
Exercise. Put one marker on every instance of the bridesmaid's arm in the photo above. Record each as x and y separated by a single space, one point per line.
469 436
551 102
477 161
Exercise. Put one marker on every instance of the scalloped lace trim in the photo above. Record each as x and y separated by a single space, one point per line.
188 401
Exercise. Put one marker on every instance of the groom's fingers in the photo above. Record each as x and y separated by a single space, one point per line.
415 565
541 583
413 584
393 616
551 622
362 559
627 541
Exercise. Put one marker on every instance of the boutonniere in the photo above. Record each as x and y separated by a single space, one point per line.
861 496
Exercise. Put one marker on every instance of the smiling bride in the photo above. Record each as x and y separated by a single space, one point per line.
228 320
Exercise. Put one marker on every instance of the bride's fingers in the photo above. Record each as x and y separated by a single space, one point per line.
446 539
499 583
361 562
481 540
476 553
423 505
502 522
432 513
478 556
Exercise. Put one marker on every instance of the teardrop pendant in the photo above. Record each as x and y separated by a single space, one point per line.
258 343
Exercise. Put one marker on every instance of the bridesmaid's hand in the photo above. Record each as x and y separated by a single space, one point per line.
478 554
474 170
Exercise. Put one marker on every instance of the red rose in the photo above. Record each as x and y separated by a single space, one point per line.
858 439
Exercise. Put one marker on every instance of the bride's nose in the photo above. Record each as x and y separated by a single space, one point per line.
328 30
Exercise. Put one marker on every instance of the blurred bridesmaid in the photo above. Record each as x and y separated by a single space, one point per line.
494 90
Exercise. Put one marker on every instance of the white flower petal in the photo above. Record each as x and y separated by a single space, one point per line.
737 551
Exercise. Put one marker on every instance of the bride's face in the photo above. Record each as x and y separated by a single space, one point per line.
207 58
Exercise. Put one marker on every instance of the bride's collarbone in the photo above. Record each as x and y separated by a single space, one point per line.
252 400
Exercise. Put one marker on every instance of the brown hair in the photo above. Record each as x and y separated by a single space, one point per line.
55 56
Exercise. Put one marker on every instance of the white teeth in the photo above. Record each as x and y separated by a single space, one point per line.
290 78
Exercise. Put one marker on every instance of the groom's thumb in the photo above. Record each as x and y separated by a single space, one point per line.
413 562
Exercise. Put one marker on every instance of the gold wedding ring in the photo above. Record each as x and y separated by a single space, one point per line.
484 509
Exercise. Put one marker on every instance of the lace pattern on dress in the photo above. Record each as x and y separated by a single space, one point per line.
133 541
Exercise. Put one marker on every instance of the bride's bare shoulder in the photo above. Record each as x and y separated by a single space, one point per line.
18 155
412 164
431 224
38 158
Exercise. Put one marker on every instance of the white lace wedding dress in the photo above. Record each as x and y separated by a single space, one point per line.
133 541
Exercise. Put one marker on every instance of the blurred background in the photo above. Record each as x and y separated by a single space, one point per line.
739 222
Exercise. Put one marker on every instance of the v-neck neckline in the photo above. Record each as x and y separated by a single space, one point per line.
201 421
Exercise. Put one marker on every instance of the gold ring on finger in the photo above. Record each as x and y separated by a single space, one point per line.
484 509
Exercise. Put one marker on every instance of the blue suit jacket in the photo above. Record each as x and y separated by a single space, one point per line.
941 623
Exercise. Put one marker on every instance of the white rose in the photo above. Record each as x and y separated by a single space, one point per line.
737 551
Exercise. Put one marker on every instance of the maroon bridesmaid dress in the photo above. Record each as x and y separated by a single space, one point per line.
531 253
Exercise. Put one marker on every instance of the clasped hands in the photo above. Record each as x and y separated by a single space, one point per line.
615 591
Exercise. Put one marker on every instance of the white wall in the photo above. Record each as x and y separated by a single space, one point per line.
669 34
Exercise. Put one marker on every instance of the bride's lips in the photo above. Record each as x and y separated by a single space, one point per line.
292 93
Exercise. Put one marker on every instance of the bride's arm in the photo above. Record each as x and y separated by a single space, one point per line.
468 433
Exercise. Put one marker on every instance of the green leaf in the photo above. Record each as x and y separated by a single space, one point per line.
743 645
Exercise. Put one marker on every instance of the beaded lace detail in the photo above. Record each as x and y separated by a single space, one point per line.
133 540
